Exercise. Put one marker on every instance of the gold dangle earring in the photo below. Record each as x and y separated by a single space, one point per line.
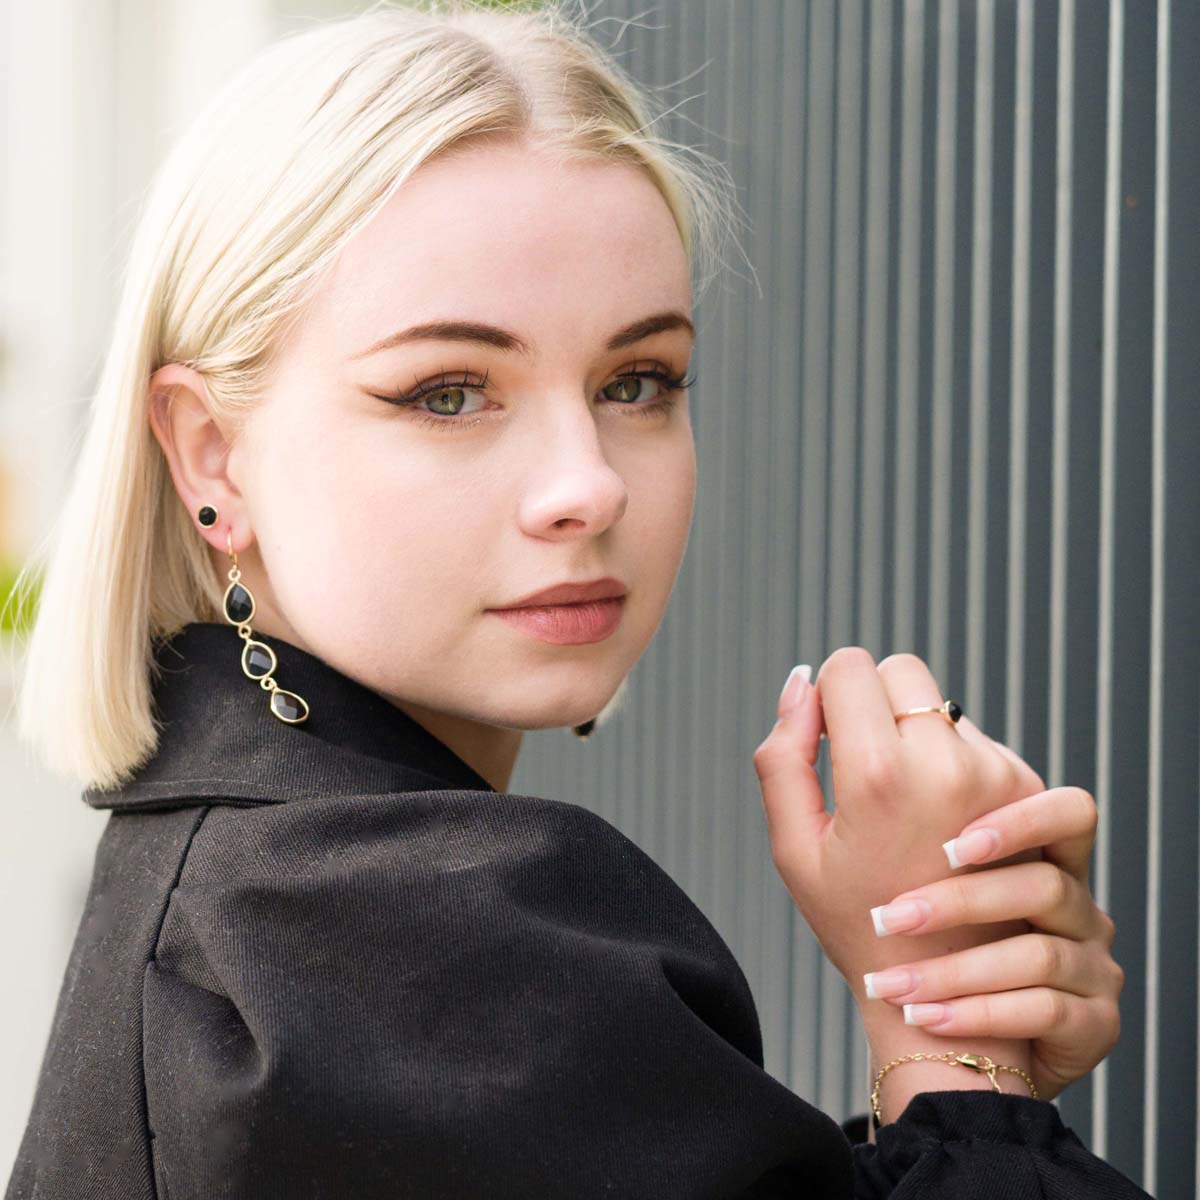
258 659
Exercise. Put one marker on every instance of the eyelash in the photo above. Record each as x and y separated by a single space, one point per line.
674 386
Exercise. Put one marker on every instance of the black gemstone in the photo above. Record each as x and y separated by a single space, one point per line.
239 604
207 515
288 706
258 661
953 711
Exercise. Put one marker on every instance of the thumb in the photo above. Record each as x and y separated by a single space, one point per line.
785 763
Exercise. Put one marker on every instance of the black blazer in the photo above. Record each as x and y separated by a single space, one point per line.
329 961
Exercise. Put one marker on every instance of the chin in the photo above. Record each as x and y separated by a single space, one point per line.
569 702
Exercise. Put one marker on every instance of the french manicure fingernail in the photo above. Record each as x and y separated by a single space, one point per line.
796 687
924 1014
898 917
972 847
893 982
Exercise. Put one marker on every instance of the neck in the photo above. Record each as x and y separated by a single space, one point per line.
488 749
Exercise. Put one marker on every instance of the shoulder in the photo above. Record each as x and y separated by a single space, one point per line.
426 833
404 871
434 914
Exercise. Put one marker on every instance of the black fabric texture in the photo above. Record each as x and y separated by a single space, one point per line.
330 961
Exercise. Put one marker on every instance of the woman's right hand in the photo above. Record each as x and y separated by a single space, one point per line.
900 788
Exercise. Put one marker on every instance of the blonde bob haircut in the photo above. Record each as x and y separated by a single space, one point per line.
294 153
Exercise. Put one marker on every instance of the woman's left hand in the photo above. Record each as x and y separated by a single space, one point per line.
1057 985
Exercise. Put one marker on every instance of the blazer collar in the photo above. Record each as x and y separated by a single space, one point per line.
220 743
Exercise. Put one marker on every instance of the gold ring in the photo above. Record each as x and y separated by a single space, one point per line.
951 710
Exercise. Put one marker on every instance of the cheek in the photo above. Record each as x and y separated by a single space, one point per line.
674 486
659 515
356 535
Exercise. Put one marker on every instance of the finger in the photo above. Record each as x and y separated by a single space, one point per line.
1036 1012
910 684
1038 892
1027 960
1062 821
857 712
792 795
1028 780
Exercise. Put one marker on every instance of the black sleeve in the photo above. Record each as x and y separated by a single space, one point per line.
458 994
983 1145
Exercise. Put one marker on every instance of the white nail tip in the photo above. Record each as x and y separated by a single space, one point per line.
950 854
877 921
908 1015
869 983
805 673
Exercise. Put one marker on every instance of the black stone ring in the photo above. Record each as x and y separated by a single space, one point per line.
951 710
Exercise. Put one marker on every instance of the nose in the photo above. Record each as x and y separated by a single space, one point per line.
572 490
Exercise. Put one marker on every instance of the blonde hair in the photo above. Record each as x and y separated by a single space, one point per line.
295 152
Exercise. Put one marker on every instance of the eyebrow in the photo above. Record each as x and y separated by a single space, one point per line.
502 339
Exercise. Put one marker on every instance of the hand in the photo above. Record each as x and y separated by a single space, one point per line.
901 788
1058 985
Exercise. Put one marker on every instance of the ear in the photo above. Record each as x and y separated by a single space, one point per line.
197 453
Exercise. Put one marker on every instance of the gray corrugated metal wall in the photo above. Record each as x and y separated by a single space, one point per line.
961 419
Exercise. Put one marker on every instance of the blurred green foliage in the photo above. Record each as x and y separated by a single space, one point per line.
16 613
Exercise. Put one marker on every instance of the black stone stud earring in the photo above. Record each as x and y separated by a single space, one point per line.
207 515
258 659
582 732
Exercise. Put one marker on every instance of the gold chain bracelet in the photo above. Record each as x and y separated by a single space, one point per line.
975 1062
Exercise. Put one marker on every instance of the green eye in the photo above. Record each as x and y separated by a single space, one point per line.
626 384
447 392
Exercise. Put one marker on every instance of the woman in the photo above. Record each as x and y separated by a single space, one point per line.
403 344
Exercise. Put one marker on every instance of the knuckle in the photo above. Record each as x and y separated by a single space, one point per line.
998 776
985 1014
767 757
1087 812
880 769
848 657
1055 886
1112 1022
1048 956
956 772
1109 929
1055 1008
1117 974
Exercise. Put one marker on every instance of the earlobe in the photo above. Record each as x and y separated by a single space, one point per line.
207 515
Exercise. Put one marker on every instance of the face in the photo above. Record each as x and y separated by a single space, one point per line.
383 533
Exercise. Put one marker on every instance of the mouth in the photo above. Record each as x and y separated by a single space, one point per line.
574 624
607 588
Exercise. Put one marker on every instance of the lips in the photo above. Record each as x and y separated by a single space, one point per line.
570 593
566 624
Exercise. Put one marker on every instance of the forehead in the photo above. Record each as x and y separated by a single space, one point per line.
508 229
